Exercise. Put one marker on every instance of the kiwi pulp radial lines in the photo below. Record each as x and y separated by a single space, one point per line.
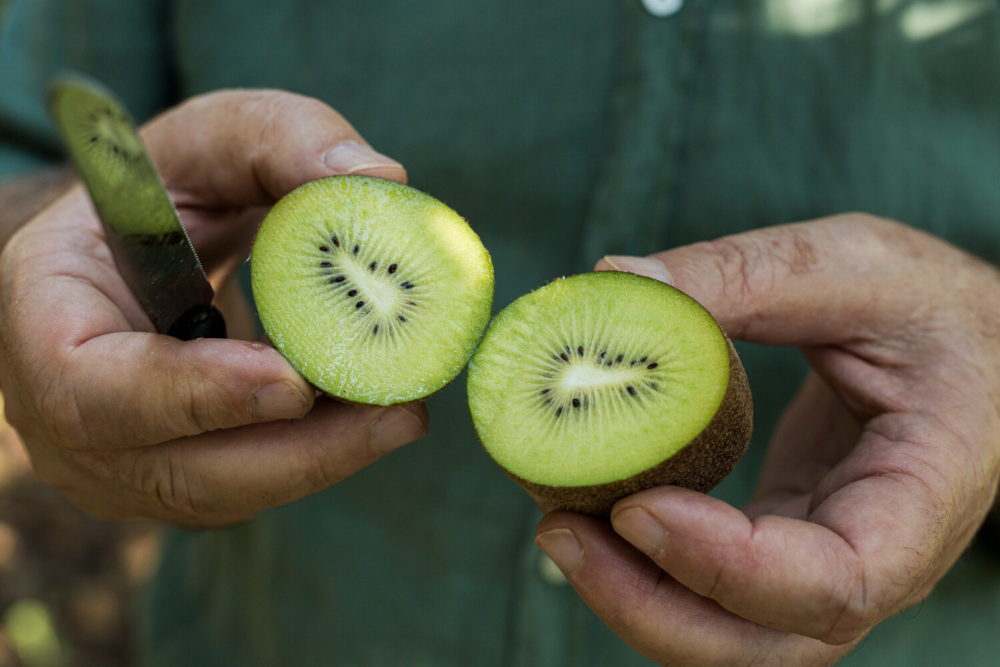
375 292
602 384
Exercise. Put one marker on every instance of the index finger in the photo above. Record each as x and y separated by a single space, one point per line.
251 147
812 283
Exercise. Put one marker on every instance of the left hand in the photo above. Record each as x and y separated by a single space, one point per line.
876 479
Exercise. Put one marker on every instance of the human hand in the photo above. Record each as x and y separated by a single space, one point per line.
875 481
132 424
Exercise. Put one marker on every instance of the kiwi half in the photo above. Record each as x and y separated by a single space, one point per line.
602 384
375 292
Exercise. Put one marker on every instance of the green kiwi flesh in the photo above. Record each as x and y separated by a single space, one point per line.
603 384
374 291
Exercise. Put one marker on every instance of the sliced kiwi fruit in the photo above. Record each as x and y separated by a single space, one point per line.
374 291
602 384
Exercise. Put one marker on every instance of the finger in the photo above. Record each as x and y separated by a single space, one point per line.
252 147
123 390
747 566
226 476
864 549
654 613
821 282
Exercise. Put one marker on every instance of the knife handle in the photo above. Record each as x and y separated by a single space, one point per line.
199 322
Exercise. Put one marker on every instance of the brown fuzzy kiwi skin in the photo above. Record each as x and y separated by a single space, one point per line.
699 465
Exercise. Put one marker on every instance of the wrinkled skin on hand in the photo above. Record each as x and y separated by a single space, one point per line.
132 424
876 479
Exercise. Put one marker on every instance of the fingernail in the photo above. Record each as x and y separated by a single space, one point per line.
278 400
350 157
643 266
561 545
395 428
640 528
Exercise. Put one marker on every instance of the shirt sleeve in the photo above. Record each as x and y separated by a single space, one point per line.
125 45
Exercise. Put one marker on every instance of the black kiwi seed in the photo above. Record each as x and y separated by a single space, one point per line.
576 402
652 365
324 248
353 292
407 285
619 358
630 389
359 304
375 329
392 268
354 250
559 411
335 241
372 266
564 356
579 350
337 279
400 318
325 264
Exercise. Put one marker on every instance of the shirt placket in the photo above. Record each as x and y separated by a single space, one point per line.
640 186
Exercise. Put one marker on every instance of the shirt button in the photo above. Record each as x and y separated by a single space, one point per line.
550 572
662 8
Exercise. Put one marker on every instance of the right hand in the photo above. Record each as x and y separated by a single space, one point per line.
132 424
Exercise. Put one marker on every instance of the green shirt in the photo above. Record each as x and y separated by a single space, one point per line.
562 130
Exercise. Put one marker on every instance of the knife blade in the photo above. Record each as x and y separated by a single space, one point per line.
149 244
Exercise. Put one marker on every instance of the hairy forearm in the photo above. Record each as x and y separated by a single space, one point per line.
22 198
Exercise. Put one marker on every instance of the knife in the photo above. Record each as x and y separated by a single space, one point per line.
148 242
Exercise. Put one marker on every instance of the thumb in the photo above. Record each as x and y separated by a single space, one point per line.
821 282
131 389
250 147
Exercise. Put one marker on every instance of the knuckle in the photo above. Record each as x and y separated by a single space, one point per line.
752 262
201 407
173 494
854 614
66 426
60 414
166 483
734 261
279 111
205 404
